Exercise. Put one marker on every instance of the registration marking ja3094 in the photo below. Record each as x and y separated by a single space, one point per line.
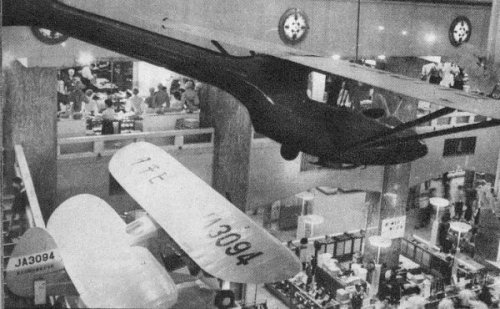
32 260
227 238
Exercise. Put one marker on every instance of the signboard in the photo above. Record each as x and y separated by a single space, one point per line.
393 227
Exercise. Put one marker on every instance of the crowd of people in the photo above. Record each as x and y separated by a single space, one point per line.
77 95
466 206
466 299
350 94
447 74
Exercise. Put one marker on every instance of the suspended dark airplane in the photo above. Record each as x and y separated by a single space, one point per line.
270 80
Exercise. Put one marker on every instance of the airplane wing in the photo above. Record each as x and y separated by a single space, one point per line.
396 83
105 270
221 239
404 85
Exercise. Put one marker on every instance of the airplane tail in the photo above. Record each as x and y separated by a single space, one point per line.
36 258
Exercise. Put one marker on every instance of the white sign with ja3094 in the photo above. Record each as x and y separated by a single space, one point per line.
37 261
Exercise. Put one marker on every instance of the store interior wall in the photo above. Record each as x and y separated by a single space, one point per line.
433 165
272 178
342 212
419 20
19 42
332 24
332 27
407 66
149 76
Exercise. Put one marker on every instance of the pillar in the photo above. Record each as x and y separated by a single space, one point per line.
232 141
396 177
396 181
493 49
372 202
494 56
30 120
2 104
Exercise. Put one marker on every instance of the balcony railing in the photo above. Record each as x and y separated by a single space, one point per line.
107 144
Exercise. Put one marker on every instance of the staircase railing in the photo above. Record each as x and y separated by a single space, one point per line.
33 212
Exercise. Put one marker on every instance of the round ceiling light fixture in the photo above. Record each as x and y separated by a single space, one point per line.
460 31
293 26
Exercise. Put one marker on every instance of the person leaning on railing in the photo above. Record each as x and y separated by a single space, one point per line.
190 98
20 202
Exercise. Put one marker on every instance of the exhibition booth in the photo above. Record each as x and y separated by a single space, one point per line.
349 270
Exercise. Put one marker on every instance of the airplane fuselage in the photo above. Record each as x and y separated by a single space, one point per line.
273 90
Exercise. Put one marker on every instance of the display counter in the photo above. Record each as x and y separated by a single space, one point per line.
127 123
430 260
333 280
447 274
163 122
424 272
468 264
296 297
68 127
343 246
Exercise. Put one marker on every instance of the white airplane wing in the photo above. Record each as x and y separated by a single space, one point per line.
105 270
221 239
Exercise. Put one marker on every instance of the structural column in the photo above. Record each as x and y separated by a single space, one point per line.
494 55
233 136
494 33
30 120
395 189
395 186
2 100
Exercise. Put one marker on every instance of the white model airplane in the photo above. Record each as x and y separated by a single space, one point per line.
219 238
102 256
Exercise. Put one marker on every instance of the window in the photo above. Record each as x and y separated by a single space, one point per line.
480 118
444 121
462 119
459 146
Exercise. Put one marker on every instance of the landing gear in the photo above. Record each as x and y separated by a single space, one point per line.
289 152
224 299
